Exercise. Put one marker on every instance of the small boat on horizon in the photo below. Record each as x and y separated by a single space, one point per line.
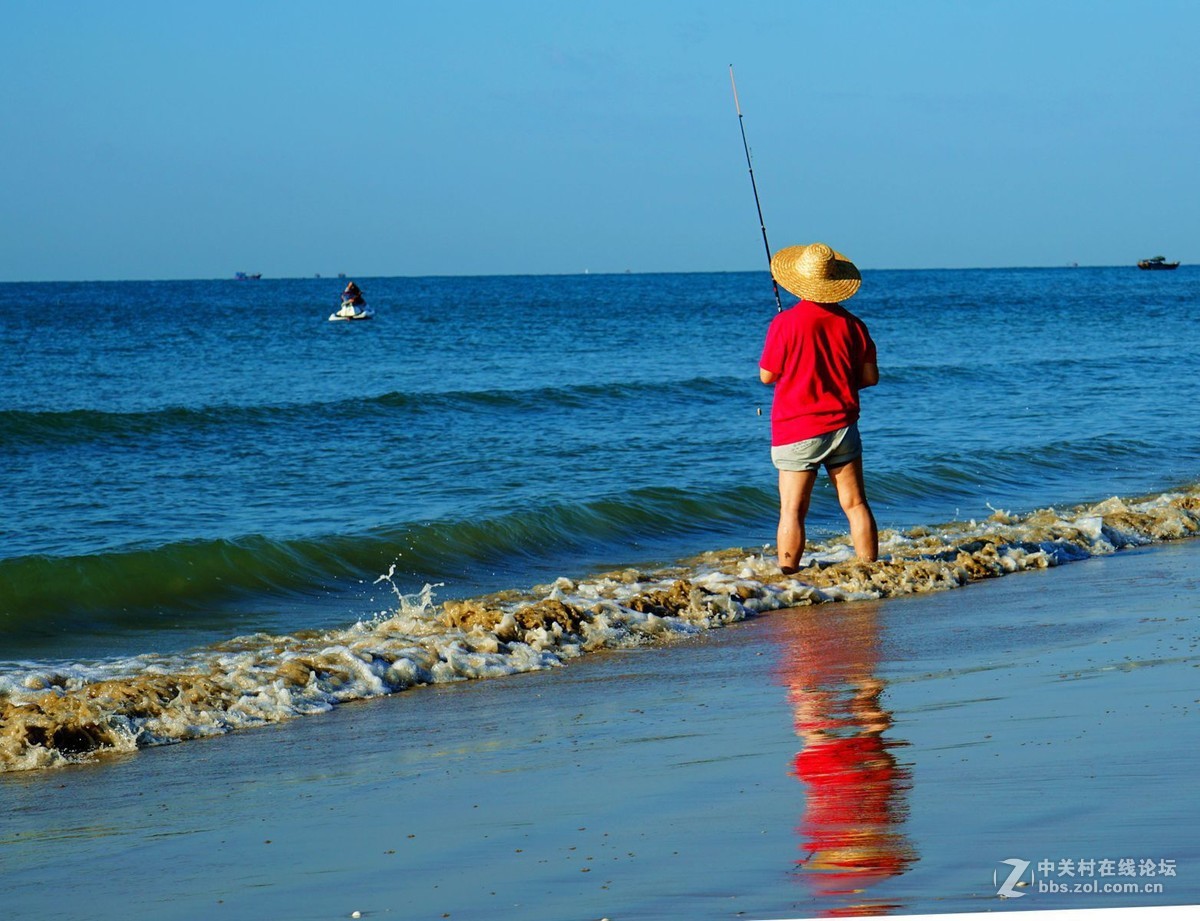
242 276
1158 262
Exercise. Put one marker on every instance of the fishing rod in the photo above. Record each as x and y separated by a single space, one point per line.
761 223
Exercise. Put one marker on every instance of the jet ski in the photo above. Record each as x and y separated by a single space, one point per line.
351 311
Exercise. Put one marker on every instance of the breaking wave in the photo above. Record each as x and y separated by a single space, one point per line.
128 584
72 712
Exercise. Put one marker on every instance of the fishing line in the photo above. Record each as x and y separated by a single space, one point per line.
761 223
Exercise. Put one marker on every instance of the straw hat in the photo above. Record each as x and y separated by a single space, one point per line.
816 273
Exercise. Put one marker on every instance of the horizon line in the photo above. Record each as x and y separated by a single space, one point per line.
576 274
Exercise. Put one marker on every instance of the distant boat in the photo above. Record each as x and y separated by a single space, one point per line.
242 276
1158 262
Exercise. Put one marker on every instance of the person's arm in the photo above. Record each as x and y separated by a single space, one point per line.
774 352
869 376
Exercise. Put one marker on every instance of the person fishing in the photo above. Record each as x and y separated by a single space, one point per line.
818 356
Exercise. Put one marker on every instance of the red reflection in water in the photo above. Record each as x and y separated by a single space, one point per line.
855 788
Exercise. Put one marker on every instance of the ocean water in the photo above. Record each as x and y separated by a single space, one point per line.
219 509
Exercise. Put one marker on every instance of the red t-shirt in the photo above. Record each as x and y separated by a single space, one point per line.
818 351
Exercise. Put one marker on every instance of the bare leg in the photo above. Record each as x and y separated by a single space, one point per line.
795 491
852 495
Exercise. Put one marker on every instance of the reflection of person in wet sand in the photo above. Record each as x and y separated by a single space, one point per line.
855 787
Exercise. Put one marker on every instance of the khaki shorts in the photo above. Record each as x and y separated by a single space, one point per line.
833 449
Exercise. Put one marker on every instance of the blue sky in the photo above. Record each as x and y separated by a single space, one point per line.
190 140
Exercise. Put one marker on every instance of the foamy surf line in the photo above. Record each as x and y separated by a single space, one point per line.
78 712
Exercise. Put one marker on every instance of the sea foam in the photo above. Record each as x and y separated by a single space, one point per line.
78 711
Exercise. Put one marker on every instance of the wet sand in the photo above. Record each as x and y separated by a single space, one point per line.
872 757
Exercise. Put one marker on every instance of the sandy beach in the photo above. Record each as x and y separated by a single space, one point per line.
861 757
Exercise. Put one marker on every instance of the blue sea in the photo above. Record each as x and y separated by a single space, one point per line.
209 478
